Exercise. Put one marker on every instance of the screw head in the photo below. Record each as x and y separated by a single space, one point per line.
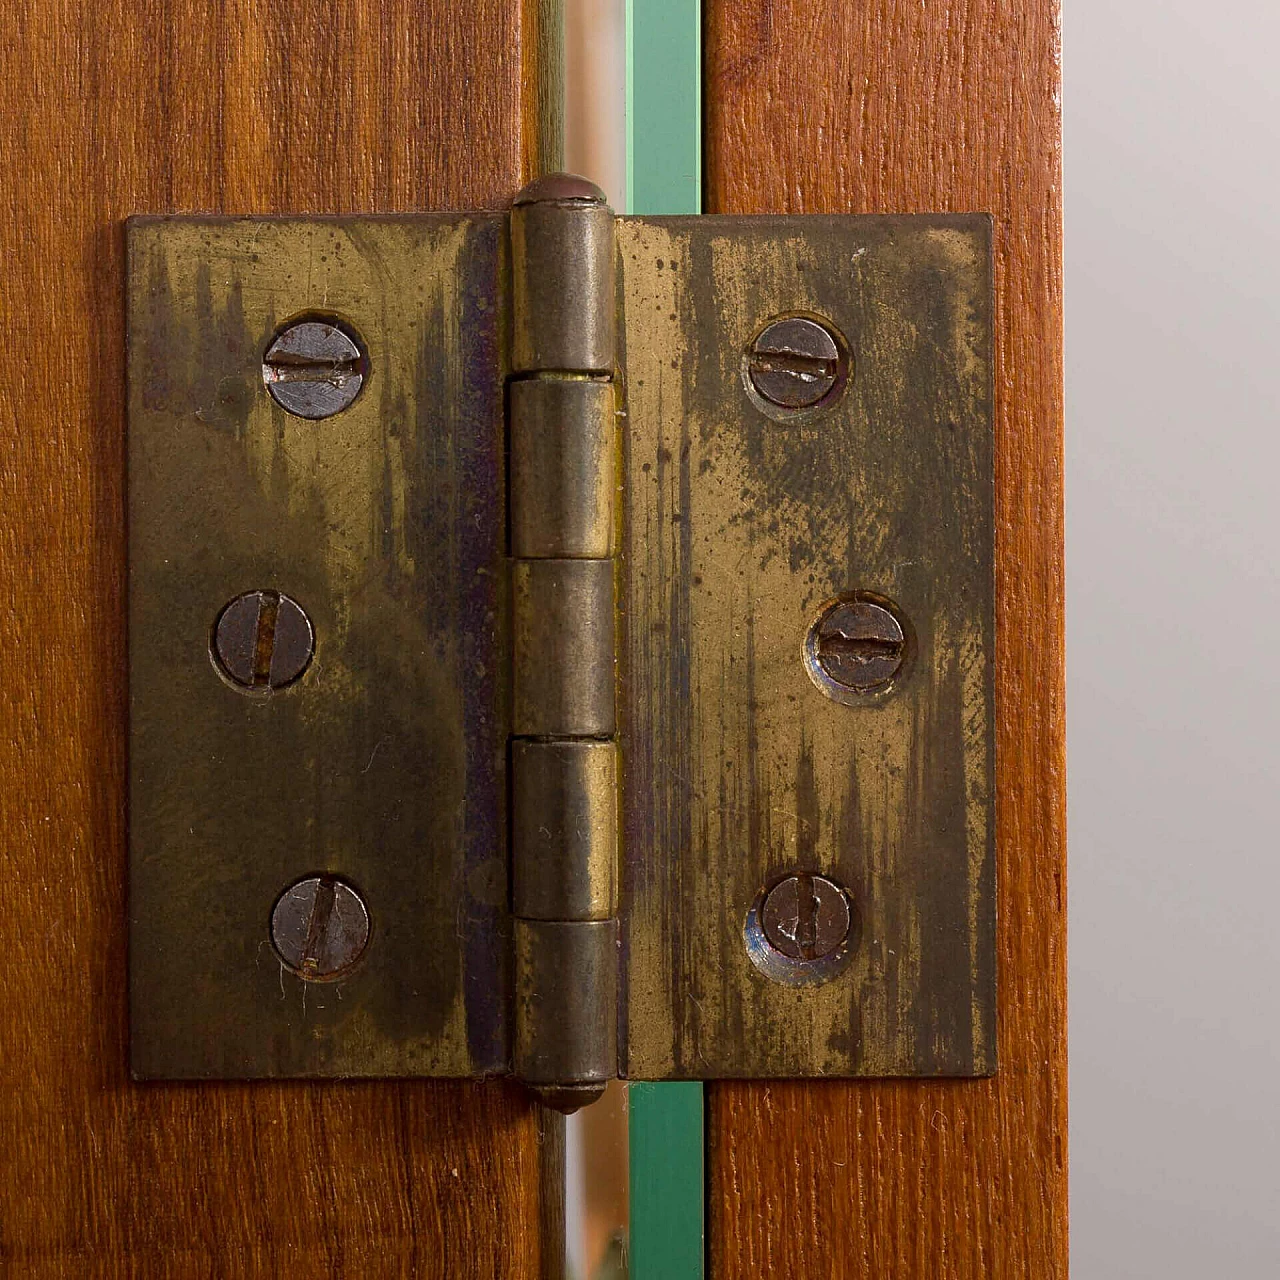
795 363
857 646
313 369
320 927
805 917
263 641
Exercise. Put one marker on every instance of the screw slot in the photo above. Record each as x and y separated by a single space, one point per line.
795 365
857 647
801 930
314 368
262 641
320 927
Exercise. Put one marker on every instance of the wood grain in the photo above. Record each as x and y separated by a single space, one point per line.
880 106
109 108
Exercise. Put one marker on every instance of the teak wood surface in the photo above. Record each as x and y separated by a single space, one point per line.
110 108
882 106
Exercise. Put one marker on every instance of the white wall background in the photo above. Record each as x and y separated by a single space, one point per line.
1173 542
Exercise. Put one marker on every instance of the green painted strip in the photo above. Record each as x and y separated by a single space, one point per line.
664 106
667 1188
664 175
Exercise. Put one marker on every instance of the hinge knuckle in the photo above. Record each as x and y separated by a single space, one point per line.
562 260
564 819
563 447
562 437
564 648
566 1024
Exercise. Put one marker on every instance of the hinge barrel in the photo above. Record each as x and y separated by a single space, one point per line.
564 829
563 449
566 1008
563 442
562 264
564 642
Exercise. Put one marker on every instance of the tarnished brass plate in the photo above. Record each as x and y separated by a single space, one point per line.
740 525
385 763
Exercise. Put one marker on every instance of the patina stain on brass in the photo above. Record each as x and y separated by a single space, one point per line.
741 528
384 764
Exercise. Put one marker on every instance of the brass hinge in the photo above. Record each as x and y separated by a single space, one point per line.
561 645
562 422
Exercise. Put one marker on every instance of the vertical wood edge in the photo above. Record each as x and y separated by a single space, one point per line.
544 87
911 109
224 108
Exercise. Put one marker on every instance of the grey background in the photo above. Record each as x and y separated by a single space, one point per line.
1172 119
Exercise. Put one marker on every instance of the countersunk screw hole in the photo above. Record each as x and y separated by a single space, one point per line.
320 927
795 363
262 641
857 647
800 930
314 368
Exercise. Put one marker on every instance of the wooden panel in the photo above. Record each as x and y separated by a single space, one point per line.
109 108
875 106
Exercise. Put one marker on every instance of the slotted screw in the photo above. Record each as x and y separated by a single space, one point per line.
794 363
263 640
320 927
313 369
805 917
858 644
